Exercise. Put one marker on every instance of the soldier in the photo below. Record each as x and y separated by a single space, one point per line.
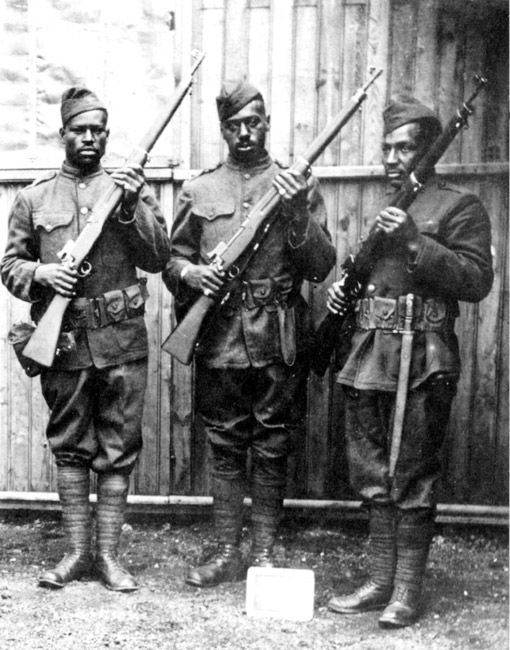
95 388
440 252
251 365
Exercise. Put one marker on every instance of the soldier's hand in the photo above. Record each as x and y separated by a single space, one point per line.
204 277
292 187
337 301
394 222
131 178
59 277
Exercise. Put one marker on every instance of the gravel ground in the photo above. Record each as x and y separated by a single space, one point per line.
466 604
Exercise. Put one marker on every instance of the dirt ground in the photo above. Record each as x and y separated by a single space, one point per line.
466 603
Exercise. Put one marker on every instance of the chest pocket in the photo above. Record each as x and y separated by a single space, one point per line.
54 230
216 222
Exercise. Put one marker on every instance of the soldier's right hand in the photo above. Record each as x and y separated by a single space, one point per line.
59 277
337 301
206 278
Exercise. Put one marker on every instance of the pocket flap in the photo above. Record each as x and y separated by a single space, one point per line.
213 210
51 220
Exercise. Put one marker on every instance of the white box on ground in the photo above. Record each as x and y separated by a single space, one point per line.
280 593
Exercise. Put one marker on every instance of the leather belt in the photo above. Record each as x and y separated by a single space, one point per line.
430 314
110 307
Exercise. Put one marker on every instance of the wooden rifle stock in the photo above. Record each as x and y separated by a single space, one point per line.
356 267
184 338
42 345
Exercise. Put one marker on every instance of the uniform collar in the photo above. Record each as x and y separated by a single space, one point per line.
261 164
431 181
75 173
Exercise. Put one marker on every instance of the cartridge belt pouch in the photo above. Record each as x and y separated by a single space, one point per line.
111 307
429 314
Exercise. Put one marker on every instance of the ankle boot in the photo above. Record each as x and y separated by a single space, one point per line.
267 503
414 535
73 490
376 592
112 490
226 564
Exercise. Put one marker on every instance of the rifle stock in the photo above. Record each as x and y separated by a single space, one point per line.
355 267
42 345
182 341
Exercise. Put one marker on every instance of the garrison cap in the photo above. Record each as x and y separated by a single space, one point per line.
403 109
233 96
78 100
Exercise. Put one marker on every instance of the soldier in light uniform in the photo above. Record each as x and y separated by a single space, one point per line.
251 365
96 385
440 251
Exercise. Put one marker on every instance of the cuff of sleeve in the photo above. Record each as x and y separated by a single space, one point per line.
414 250
126 217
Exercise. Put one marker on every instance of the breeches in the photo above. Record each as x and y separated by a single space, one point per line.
96 415
369 421
256 409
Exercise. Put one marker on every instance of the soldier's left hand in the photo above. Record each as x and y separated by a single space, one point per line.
292 187
396 223
131 178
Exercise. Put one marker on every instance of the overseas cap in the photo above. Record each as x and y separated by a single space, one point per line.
233 96
77 100
403 109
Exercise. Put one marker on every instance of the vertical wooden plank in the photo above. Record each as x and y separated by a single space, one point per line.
403 46
258 65
450 27
377 57
280 91
235 64
484 443
329 81
304 91
425 78
208 30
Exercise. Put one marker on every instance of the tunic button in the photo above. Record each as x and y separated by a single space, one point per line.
246 204
82 186
371 288
246 176
84 210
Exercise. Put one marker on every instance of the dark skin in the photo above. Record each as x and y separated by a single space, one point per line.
401 151
84 138
245 135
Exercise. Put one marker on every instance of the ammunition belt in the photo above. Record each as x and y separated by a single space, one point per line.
261 293
110 307
429 314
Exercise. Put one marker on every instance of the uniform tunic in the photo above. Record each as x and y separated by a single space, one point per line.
95 387
452 262
253 355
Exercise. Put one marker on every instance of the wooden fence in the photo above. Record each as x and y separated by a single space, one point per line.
308 57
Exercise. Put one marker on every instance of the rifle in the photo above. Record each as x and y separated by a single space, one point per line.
357 266
42 345
184 338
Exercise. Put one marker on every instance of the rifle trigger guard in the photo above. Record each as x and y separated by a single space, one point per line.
85 269
233 271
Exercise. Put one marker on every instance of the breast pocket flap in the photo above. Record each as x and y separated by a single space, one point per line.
212 210
48 221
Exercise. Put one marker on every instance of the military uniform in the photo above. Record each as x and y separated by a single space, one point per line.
104 324
252 359
449 260
96 385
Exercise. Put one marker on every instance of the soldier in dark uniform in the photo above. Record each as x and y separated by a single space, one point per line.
440 252
251 365
95 388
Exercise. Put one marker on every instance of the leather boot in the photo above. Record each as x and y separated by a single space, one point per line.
414 535
73 490
226 565
267 502
112 490
376 592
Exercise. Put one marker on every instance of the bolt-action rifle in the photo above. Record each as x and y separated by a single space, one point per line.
356 267
42 345
234 255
